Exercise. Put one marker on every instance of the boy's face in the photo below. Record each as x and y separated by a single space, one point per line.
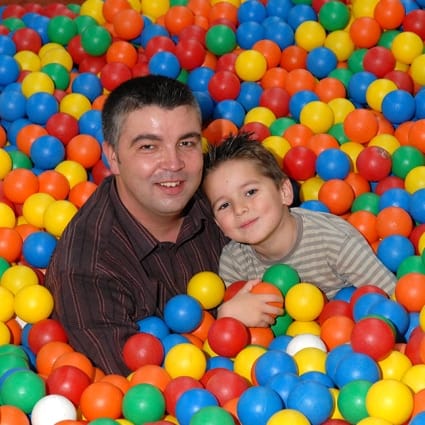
247 206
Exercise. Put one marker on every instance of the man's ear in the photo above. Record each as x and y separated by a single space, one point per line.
111 156
286 192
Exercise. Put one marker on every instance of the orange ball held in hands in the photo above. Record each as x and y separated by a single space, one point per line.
269 288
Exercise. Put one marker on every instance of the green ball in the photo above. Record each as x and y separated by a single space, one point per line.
342 74
405 158
58 73
95 40
15 350
355 61
13 24
281 275
387 37
352 400
367 201
104 421
22 389
412 264
61 29
143 403
4 265
83 21
334 15
20 160
10 360
220 39
278 126
280 326
212 415
337 131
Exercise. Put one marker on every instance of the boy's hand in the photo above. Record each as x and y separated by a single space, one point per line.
254 310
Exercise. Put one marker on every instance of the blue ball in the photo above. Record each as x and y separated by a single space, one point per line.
249 95
248 33
14 127
395 197
317 376
37 249
398 106
358 85
271 363
47 152
206 103
299 100
356 366
164 63
171 340
151 31
153 325
90 123
251 10
299 14
393 250
191 401
420 104
87 84
219 362
313 400
257 404
314 205
418 419
413 323
39 23
363 304
279 8
12 106
417 206
283 383
231 110
41 106
199 78
280 32
280 342
7 46
333 164
335 355
344 294
183 313
9 69
321 61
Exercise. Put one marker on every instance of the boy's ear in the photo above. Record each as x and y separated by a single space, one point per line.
287 192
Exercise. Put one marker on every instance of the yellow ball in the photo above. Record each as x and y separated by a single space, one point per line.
363 8
336 414
385 141
250 65
391 400
417 70
277 145
260 114
376 92
35 82
414 377
422 318
395 365
73 171
28 60
309 35
57 216
17 277
406 46
341 107
33 303
421 244
310 359
288 417
415 179
340 43
352 149
58 55
374 421
206 347
93 8
5 163
208 288
245 359
318 116
74 104
7 216
155 8
298 327
124 422
7 309
309 189
34 208
304 301
185 360
5 336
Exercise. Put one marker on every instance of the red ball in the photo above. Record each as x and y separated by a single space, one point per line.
190 53
374 163
68 381
276 99
113 74
233 289
175 388
335 308
227 336
100 171
63 126
415 235
412 348
45 331
142 349
402 80
259 130
76 49
389 182
299 163
373 336
226 385
379 61
159 43
27 39
224 85
414 21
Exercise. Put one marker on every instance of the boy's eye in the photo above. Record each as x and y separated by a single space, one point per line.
223 206
251 192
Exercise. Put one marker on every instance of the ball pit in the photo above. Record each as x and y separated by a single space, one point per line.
335 90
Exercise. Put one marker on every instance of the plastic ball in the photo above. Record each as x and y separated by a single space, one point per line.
250 65
321 61
337 195
220 39
141 349
12 415
38 248
33 303
299 163
95 40
47 152
374 163
51 409
310 34
212 415
248 33
224 85
398 106
334 15
74 104
376 92
191 402
185 360
9 70
6 304
393 249
35 82
288 417
175 388
352 400
257 404
57 215
393 220
333 164
317 116
182 313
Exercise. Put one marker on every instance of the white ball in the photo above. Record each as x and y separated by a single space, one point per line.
52 409
298 342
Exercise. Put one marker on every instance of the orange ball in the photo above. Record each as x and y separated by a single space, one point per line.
365 32
82 191
111 7
3 137
322 141
150 374
336 330
269 288
84 149
358 183
10 244
410 291
218 129
101 400
360 125
199 7
293 57
329 88
365 222
299 79
402 132
77 359
53 183
119 381
15 332
389 13
416 135
298 134
122 51
19 184
270 50
27 135
127 24
178 17
274 77
11 415
337 195
393 221
223 10
261 336
48 354
418 402
201 331
25 229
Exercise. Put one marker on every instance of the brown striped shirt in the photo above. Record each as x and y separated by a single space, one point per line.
108 272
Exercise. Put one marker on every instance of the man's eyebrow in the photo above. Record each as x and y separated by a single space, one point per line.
144 136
